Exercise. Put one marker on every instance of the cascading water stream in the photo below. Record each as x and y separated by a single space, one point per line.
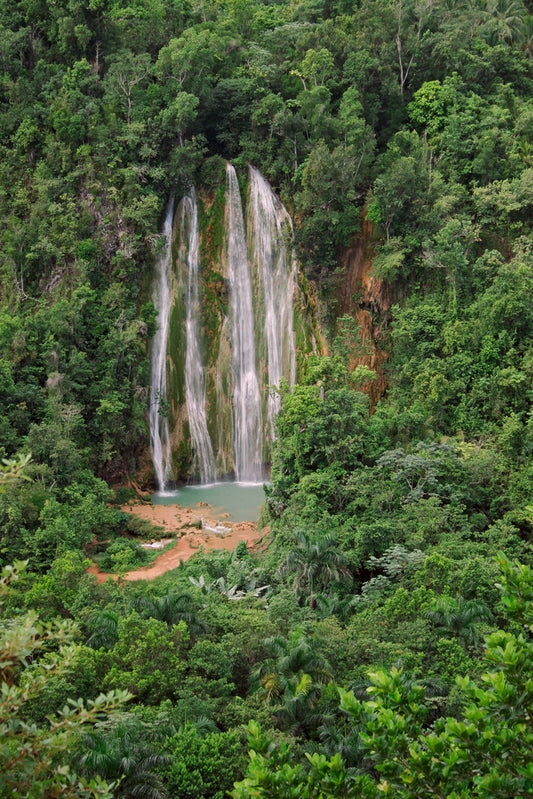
270 227
204 461
159 426
247 413
250 336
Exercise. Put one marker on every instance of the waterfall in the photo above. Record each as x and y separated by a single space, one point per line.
226 341
204 461
159 426
270 226
247 413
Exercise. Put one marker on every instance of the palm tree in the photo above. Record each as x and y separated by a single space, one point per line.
460 617
290 658
334 605
103 626
505 20
292 679
125 755
297 712
172 608
314 563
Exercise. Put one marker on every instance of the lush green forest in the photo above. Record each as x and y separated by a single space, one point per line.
392 652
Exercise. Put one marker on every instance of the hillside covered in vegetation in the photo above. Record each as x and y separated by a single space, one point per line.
389 650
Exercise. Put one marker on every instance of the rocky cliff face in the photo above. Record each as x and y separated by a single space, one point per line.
368 300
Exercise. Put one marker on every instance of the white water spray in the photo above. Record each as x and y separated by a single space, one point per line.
247 413
159 427
270 230
204 461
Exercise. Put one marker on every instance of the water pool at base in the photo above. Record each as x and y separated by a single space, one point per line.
241 500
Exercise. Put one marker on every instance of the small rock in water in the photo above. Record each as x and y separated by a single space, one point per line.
218 529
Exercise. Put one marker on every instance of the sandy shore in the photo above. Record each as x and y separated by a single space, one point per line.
216 533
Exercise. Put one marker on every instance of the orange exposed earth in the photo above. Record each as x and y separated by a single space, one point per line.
220 533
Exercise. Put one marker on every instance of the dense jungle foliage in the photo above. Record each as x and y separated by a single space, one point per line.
392 652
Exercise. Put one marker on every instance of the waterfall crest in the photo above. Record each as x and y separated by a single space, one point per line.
203 458
159 425
269 231
247 412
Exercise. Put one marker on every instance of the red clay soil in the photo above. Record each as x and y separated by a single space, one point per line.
175 520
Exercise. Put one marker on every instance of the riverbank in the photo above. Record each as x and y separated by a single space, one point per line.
193 528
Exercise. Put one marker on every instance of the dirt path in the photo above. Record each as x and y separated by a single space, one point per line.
218 533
